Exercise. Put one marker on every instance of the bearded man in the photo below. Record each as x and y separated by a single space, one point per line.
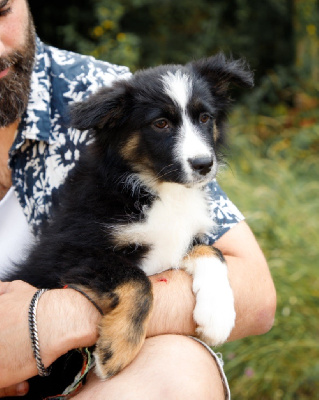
37 150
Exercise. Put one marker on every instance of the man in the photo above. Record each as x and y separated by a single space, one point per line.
40 149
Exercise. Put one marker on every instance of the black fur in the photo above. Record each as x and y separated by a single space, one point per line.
79 246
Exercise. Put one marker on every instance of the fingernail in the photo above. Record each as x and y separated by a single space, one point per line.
22 388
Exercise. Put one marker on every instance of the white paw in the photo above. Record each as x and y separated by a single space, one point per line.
214 311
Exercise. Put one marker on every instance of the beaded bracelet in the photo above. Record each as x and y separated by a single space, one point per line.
33 328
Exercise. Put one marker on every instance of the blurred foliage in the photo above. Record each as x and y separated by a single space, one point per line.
273 174
274 181
278 37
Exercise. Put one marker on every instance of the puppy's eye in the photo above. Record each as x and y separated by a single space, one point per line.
161 123
204 118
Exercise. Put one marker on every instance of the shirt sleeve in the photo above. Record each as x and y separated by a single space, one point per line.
223 212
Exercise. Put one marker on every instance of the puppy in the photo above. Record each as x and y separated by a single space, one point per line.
136 203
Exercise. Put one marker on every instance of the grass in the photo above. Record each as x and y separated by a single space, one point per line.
273 179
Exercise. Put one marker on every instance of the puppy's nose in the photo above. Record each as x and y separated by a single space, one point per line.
202 165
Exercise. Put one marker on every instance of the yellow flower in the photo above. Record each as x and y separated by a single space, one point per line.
98 31
311 29
108 24
121 37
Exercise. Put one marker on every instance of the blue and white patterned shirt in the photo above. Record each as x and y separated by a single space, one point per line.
46 148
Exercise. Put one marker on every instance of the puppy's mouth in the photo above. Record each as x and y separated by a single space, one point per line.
198 183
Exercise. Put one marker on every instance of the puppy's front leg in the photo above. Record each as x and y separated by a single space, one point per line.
214 311
122 329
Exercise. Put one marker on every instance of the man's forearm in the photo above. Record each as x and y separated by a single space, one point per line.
253 288
254 303
173 305
250 279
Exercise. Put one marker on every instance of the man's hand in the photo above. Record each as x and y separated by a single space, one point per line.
16 358
61 327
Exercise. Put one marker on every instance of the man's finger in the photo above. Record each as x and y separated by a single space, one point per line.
15 390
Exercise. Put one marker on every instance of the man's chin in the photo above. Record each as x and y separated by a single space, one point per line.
13 104
15 84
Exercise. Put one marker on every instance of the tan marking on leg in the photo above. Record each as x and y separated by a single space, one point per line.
123 329
202 251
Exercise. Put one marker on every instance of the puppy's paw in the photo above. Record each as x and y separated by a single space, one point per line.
114 350
214 311
122 329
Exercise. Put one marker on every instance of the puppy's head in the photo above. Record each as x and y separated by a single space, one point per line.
166 122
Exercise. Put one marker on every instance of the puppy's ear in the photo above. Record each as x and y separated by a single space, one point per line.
219 72
104 108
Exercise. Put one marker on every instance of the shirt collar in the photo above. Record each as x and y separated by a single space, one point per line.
35 122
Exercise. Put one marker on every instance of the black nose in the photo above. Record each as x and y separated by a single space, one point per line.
202 165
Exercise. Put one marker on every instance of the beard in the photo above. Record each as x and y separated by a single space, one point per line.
15 86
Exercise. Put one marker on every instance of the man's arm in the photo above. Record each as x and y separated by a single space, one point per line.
249 275
67 320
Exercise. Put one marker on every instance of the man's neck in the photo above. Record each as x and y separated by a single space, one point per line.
7 135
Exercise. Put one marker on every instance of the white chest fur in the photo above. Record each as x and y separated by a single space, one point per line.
174 219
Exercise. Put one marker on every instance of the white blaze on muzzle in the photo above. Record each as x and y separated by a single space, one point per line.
192 150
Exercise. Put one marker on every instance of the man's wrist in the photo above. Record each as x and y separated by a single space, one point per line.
66 320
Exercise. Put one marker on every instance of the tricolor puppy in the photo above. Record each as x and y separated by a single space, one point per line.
135 204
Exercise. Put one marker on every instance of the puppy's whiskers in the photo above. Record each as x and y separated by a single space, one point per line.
161 174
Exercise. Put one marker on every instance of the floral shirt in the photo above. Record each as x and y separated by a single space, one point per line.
46 148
